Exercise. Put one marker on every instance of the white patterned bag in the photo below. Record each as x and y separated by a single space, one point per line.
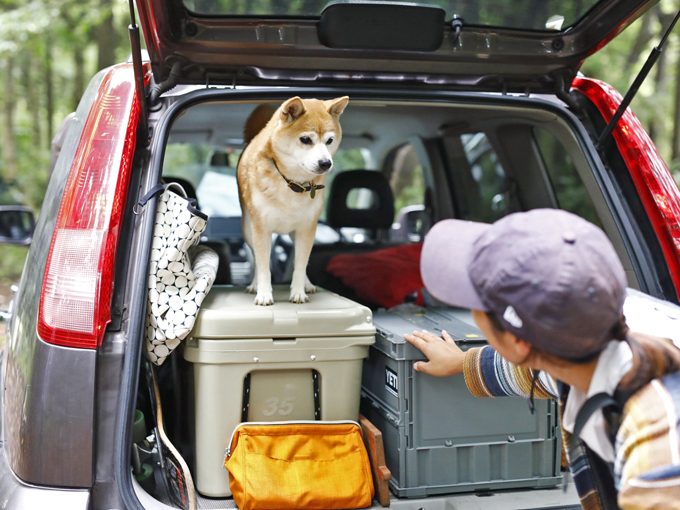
180 273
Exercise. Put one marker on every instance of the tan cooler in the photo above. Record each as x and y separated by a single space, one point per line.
271 363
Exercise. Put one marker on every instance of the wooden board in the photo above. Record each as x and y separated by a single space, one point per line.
376 453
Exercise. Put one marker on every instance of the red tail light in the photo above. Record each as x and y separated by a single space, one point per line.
658 191
75 304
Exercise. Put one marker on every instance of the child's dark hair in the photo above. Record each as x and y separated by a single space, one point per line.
495 322
653 357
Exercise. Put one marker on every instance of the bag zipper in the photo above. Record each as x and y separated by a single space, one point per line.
298 422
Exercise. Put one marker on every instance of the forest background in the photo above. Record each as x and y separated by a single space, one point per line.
50 49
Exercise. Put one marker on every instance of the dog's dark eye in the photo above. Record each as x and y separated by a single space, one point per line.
330 141
306 140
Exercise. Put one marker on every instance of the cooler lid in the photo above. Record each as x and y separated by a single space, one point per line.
229 313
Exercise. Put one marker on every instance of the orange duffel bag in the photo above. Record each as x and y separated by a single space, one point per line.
309 465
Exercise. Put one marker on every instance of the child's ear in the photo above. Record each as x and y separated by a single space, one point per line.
336 106
522 347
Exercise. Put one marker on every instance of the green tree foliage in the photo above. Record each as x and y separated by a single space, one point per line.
657 103
49 50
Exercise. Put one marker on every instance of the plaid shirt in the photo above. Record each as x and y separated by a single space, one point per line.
647 467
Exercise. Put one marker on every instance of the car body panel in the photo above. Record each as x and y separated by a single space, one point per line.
221 49
19 495
49 390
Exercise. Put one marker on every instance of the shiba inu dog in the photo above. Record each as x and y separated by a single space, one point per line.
281 179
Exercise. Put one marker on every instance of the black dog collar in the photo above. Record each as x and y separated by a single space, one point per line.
300 188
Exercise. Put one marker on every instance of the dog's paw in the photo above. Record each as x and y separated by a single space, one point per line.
264 299
251 289
298 297
309 288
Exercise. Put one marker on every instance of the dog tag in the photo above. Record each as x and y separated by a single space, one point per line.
312 191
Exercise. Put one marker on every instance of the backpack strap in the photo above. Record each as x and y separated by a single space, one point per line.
590 406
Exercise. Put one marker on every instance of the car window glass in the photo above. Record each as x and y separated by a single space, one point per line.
485 181
345 159
569 190
406 179
528 14
212 174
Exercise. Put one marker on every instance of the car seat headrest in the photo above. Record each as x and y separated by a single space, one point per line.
378 206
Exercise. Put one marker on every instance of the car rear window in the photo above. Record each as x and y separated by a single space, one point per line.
519 14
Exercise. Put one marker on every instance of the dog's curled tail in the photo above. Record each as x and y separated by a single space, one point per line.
257 120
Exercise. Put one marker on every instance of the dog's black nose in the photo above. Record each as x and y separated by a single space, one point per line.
325 164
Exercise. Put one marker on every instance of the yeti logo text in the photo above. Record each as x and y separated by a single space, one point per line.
391 382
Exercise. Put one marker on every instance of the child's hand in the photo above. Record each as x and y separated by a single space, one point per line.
445 357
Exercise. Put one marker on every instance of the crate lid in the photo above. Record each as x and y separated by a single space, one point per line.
228 312
393 324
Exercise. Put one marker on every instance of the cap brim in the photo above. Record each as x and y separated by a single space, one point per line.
444 261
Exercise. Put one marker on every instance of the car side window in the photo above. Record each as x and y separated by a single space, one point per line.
406 179
569 190
345 159
212 174
412 198
479 182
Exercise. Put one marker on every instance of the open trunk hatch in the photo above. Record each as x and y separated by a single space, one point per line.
493 45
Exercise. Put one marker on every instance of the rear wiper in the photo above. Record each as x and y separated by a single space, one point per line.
651 60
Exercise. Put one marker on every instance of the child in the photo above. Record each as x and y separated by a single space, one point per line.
548 290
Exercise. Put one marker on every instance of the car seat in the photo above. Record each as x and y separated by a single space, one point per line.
221 247
377 219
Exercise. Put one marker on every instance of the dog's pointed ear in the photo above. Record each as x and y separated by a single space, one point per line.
292 109
336 106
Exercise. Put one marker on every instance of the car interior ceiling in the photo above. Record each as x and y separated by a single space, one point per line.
478 162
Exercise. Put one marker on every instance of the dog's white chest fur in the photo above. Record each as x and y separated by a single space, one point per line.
288 210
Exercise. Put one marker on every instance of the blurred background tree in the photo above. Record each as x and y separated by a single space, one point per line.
49 50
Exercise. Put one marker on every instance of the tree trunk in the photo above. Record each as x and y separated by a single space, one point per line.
656 121
105 36
659 114
49 89
79 82
9 145
33 105
642 38
676 115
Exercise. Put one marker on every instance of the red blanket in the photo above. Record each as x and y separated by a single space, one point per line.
384 277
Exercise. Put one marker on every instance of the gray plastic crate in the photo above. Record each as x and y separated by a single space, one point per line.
439 439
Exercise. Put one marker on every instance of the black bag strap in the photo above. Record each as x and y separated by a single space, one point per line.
137 209
589 407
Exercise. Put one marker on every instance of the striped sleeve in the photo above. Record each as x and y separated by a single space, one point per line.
647 465
487 374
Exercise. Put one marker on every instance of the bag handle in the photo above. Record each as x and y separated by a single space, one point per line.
137 209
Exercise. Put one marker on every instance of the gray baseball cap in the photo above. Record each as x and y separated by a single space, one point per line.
550 277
